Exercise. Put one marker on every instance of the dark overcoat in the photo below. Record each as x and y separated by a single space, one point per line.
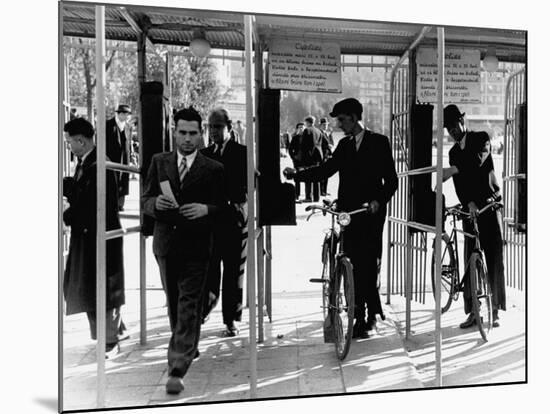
79 284
118 150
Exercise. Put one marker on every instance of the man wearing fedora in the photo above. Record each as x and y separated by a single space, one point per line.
118 135
475 183
367 174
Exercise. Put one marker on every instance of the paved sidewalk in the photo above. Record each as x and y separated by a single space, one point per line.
292 361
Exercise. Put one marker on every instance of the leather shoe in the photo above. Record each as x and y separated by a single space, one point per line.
231 330
371 324
360 329
111 350
470 321
174 385
496 322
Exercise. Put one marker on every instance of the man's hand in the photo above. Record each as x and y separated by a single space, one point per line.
66 204
193 211
289 173
374 206
472 207
163 203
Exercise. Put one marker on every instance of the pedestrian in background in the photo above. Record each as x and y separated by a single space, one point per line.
229 224
118 136
327 146
295 152
312 151
79 282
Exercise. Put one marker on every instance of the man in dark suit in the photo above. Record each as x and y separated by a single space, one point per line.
183 191
295 152
228 240
367 175
118 135
79 283
312 149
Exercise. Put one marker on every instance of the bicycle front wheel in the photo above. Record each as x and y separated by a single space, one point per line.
328 263
449 273
343 304
482 301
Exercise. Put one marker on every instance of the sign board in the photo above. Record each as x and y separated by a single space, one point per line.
304 66
462 76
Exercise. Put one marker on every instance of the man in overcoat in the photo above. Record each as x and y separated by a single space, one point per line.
79 284
313 154
183 191
367 174
118 135
228 234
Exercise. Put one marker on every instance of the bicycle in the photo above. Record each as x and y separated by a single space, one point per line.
451 284
337 279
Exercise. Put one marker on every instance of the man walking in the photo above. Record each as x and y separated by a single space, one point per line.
79 283
118 136
183 191
228 233
327 145
367 175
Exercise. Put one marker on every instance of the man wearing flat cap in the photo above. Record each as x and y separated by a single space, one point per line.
118 135
475 183
367 174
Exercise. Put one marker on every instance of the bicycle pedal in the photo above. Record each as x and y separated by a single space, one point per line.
317 280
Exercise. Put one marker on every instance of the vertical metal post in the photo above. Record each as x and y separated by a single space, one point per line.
60 234
261 297
438 200
408 282
141 70
258 85
268 264
251 171
101 286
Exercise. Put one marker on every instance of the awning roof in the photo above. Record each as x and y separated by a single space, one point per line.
224 30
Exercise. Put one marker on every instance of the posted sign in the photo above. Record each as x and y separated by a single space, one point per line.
304 66
462 78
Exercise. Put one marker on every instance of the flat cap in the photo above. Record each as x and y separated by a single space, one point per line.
347 106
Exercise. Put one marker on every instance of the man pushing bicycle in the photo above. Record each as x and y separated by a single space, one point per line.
367 174
475 185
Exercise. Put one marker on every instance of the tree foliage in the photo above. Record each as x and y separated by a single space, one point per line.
193 80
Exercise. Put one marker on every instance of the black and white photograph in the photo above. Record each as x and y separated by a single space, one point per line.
255 207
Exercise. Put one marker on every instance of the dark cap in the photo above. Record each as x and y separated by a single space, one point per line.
347 106
323 121
451 114
299 123
124 109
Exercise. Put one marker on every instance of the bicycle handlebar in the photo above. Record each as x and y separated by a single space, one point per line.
330 210
492 203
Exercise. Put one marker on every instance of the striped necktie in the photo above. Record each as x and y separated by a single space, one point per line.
182 169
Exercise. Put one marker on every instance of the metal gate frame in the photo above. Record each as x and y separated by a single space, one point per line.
515 240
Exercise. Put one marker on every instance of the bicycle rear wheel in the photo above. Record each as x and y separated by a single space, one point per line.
482 301
449 273
342 308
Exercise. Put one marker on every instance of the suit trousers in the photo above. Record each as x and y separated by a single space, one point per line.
183 281
113 322
362 240
490 238
227 250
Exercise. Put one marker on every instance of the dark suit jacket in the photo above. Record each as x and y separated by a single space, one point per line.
365 175
234 167
203 183
312 146
79 284
295 150
118 150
